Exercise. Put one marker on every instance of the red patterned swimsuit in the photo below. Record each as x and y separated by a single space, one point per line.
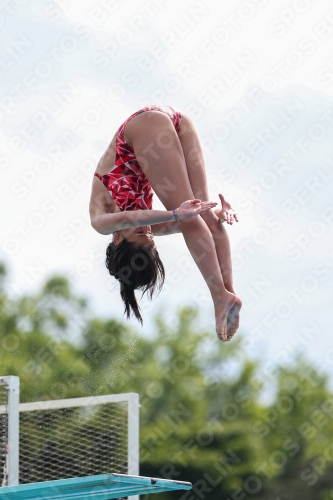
126 182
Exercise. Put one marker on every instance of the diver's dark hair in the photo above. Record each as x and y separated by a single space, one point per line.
135 267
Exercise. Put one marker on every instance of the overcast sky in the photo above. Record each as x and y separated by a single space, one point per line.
256 77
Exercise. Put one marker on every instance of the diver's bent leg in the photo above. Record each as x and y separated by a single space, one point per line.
196 170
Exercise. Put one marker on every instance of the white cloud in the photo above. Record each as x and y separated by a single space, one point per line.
45 198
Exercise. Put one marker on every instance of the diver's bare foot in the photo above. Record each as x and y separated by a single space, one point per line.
223 304
233 318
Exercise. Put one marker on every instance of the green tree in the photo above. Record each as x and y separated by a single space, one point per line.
296 430
201 419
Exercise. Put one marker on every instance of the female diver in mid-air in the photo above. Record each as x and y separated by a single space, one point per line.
157 150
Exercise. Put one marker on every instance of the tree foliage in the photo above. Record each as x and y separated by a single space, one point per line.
201 417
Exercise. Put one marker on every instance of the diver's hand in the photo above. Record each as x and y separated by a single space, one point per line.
226 213
194 207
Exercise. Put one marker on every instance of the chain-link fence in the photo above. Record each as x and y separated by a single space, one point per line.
73 442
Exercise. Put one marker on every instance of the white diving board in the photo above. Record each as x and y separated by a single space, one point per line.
102 487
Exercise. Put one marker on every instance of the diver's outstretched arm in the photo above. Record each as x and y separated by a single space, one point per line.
107 223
